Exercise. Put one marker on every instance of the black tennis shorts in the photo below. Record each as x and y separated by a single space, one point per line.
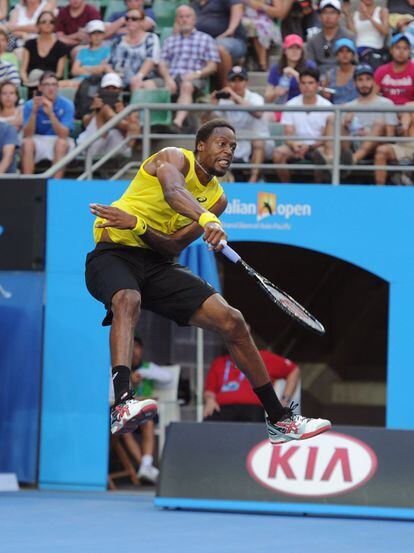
166 288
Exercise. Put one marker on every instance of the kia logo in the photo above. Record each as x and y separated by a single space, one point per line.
329 464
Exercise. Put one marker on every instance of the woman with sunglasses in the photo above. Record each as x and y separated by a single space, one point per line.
283 79
135 55
23 20
45 52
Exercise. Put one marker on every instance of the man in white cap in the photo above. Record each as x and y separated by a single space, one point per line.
321 45
92 60
106 104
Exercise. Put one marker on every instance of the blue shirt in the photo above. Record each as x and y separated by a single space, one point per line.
88 57
8 136
275 74
64 110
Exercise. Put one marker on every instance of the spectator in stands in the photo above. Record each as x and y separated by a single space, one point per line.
297 17
117 25
221 19
188 58
143 376
341 78
292 61
395 80
401 12
47 123
11 111
9 72
135 54
106 104
401 153
321 45
311 125
228 395
370 25
8 145
378 123
45 52
23 19
72 20
94 59
4 43
260 26
244 122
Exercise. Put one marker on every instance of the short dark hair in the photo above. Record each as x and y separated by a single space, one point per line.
48 75
205 131
310 72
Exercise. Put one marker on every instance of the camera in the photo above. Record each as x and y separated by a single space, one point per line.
222 95
109 97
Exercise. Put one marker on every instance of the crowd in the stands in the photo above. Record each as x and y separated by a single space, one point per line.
67 69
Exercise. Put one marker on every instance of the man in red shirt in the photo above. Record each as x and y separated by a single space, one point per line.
228 396
395 80
71 22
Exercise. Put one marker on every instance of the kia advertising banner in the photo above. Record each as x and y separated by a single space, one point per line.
232 466
22 224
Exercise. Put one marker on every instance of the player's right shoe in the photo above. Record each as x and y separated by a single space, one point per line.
295 427
127 415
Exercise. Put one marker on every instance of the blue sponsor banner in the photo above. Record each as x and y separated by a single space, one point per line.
21 326
367 226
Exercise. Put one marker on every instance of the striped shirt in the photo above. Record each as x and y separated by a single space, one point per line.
9 72
185 54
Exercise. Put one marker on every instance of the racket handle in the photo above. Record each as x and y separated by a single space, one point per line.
229 252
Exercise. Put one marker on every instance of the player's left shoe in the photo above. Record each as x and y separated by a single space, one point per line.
127 415
295 427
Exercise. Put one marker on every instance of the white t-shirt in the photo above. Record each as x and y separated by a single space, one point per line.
244 121
307 123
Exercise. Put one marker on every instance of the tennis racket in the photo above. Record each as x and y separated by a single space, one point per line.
285 302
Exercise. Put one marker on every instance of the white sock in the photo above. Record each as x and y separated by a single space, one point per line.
147 460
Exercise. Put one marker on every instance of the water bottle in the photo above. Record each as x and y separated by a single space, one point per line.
284 82
355 126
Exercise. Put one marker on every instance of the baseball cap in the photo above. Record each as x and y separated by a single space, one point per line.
237 71
336 4
399 36
363 69
96 25
111 79
292 40
33 78
344 42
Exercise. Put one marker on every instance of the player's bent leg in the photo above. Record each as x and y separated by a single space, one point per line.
282 424
127 413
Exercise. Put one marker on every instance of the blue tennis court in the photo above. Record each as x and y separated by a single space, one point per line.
33 521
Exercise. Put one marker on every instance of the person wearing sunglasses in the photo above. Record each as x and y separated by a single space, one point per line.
116 25
45 52
321 45
135 54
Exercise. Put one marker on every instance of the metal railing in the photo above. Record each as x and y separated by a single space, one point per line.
147 137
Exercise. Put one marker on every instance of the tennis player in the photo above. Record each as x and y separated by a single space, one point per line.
173 200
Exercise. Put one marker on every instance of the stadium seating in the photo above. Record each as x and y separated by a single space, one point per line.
154 96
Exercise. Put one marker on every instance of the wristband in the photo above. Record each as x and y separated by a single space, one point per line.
140 227
207 217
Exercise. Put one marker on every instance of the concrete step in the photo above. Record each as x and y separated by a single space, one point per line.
360 393
257 78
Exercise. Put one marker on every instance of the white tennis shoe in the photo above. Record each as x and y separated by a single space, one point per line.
295 427
127 415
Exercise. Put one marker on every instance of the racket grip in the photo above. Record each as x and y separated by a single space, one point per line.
230 253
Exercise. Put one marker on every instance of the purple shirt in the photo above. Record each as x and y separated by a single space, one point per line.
187 54
274 77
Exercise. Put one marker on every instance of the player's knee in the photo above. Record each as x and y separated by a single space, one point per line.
234 325
127 302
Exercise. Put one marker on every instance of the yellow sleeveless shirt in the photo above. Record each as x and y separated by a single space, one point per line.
144 198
